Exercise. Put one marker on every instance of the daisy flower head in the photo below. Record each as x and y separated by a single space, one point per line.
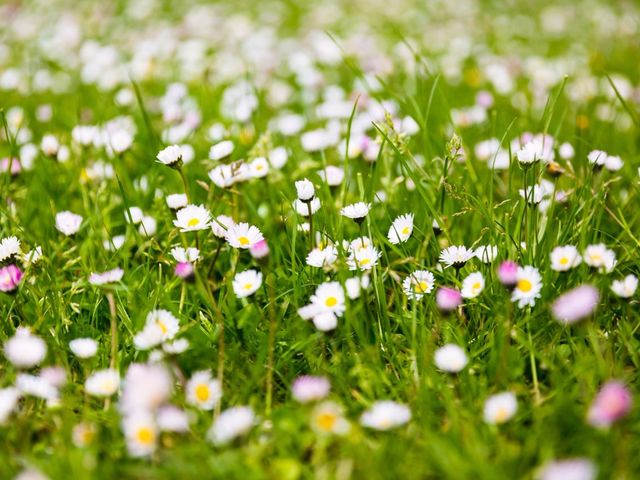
486 253
401 229
221 150
418 284
568 469
305 190
597 158
576 304
220 225
322 257
364 258
203 391
83 347
10 277
500 408
472 285
385 415
160 325
83 434
448 299
612 403
450 358
258 168
111 276
243 235
355 285
308 388
141 434
507 273
600 257
533 195
565 258
9 397
68 223
102 383
24 349
455 256
246 283
172 419
528 286
9 248
306 209
232 423
529 154
176 201
189 254
332 175
185 271
329 297
356 211
328 418
626 287
192 218
171 156
259 250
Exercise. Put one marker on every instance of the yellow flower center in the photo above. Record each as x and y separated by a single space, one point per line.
595 257
243 241
365 261
421 287
163 327
524 285
501 415
202 392
405 231
248 286
326 421
145 436
476 286
331 302
193 222
564 261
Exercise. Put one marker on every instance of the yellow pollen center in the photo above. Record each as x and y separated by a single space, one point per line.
326 421
476 286
247 286
405 231
331 302
193 222
501 414
202 392
163 327
596 257
243 241
365 261
564 261
421 287
145 435
524 285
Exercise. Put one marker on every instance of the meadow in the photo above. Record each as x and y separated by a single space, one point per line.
330 240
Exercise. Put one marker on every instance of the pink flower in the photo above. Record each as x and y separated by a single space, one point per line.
508 273
12 163
259 249
184 270
612 403
308 388
10 277
448 299
575 304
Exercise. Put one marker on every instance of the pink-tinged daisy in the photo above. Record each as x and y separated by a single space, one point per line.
575 304
243 235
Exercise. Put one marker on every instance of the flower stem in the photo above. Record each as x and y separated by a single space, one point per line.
271 342
114 329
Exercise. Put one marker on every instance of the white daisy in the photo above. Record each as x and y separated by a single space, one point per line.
401 229
500 408
600 257
111 276
329 297
203 391
192 218
246 283
83 347
259 168
486 253
133 215
528 286
385 415
456 256
472 285
363 258
9 247
418 284
564 258
322 257
356 211
8 400
170 156
243 235
231 424
141 434
68 223
24 349
450 358
176 201
333 176
220 225
305 190
303 208
102 383
221 150
328 418
626 287
160 326
181 254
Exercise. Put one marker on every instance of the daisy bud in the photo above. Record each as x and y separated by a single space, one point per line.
305 190
448 299
576 304
10 165
10 277
185 271
507 273
171 156
611 404
259 250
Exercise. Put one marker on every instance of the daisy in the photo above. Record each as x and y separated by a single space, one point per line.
333 176
325 321
306 208
528 286
221 150
401 229
203 391
246 283
455 256
83 347
183 255
243 235
259 168
611 404
564 258
597 158
220 225
575 304
533 195
145 388
148 226
68 223
448 299
472 285
308 388
172 419
322 257
111 276
9 247
8 401
329 297
305 190
450 358
328 418
25 350
626 287
171 156
83 434
418 284
356 211
364 258
176 347
568 469
160 325
385 415
486 253
600 257
141 434
529 154
102 383
176 201
500 408
231 424
354 286
10 277
37 386
192 218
